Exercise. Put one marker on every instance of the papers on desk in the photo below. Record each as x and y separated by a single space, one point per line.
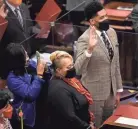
127 121
132 91
125 8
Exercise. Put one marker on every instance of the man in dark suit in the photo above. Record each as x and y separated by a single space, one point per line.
18 30
19 24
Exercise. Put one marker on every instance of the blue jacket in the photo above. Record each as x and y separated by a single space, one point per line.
25 90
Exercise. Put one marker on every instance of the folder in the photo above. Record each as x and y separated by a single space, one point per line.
117 13
3 26
123 111
49 13
127 111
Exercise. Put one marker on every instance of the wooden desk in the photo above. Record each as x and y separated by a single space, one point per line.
115 4
117 16
127 94
61 48
113 26
129 28
133 104
127 111
52 48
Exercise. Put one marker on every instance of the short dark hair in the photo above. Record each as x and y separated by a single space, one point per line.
4 98
92 8
16 58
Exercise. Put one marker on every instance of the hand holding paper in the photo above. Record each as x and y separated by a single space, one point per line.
41 61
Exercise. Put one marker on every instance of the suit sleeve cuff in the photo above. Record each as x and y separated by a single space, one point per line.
88 54
120 90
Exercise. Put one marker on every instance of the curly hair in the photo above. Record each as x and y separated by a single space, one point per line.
92 8
4 98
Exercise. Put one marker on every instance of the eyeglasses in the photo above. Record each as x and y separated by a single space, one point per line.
70 66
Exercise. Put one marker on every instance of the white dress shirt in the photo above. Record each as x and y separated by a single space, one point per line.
13 10
99 34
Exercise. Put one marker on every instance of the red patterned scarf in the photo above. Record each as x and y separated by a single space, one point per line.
78 86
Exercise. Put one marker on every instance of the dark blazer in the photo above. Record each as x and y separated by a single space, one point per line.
67 108
15 32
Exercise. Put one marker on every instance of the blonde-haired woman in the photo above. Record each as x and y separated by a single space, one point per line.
68 100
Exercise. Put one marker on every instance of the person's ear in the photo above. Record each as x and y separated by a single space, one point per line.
58 70
92 22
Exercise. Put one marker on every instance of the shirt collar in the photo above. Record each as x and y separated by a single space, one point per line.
98 32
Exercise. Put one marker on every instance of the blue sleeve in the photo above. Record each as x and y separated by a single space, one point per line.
47 75
32 64
19 87
31 69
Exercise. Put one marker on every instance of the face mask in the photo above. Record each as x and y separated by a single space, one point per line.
71 73
104 25
7 112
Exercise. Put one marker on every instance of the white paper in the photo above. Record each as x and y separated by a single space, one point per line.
127 121
45 56
125 8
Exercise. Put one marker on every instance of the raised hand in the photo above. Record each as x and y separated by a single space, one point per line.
3 13
92 39
41 67
92 126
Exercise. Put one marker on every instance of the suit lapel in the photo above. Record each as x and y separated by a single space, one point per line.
109 34
23 16
12 16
